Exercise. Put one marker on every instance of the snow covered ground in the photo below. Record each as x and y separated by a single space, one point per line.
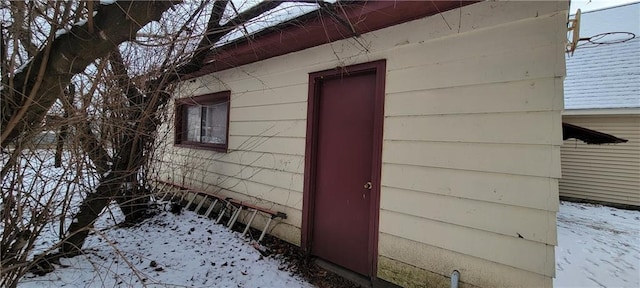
598 247
168 250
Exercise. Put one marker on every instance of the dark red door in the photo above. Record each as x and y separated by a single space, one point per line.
343 168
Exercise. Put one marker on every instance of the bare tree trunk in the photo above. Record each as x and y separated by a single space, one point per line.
42 81
62 133
89 211
124 182
60 138
134 198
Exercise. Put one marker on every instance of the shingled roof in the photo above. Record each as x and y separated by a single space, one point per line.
605 76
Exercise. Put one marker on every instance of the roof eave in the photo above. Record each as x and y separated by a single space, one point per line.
311 30
588 136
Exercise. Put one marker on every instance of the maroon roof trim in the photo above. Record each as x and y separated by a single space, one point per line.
319 27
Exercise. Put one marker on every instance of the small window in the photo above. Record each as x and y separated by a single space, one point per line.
203 121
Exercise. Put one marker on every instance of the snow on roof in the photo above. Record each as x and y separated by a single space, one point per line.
284 12
605 76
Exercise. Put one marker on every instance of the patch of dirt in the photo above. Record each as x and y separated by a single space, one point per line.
300 263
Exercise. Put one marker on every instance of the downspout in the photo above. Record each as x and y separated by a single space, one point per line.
455 278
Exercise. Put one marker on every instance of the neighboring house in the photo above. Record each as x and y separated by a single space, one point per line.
428 143
602 92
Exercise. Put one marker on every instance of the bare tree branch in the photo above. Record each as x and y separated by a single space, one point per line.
70 54
215 32
23 34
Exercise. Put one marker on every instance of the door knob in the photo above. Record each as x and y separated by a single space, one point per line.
368 185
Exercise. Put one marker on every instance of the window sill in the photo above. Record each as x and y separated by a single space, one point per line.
199 146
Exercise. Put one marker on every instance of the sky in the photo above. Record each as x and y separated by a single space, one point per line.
590 5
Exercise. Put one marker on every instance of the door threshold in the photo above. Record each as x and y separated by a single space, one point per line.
353 277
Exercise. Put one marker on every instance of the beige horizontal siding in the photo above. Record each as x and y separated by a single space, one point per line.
274 144
477 128
281 179
281 95
288 111
517 96
280 162
512 66
615 175
600 195
282 187
507 189
528 160
605 173
472 214
447 51
442 262
620 155
472 149
533 256
615 185
282 128
471 146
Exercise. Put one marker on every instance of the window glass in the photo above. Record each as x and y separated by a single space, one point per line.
214 123
191 123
